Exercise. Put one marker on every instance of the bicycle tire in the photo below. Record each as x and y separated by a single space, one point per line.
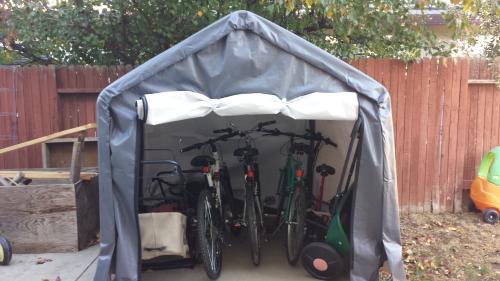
253 224
281 202
296 225
210 249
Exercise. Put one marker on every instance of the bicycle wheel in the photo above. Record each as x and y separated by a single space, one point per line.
282 198
209 241
253 223
296 225
5 251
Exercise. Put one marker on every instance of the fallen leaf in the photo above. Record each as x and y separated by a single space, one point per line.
41 260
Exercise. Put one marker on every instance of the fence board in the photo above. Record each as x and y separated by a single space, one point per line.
442 124
401 128
433 139
422 134
416 107
461 134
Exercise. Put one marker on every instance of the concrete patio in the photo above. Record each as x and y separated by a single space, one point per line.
81 266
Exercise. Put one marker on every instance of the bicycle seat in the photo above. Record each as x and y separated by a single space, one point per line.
202 161
300 148
325 170
246 152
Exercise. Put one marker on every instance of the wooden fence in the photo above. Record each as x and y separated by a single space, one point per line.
446 115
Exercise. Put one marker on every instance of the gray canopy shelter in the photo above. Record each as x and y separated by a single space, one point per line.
244 53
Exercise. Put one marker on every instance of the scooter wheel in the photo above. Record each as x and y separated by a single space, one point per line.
5 251
490 216
322 261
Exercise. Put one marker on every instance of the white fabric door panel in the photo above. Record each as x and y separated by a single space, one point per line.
168 107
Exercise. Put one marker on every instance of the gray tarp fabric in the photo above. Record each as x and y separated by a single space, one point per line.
244 53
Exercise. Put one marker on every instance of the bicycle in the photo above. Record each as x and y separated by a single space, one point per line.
252 209
211 211
292 189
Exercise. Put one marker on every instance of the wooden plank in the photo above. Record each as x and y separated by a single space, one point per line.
90 101
422 135
495 133
447 72
85 176
37 199
435 185
21 118
87 203
473 93
480 118
400 132
54 108
416 111
70 102
58 231
393 90
49 137
463 127
76 159
44 100
7 107
61 82
59 140
407 157
432 153
370 67
378 70
482 81
39 219
452 147
32 128
79 90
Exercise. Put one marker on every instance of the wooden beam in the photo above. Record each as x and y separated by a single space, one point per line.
76 159
482 81
79 90
49 137
47 174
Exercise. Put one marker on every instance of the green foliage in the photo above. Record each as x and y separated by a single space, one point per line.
130 32
477 20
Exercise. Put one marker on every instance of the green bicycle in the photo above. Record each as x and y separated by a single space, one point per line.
293 190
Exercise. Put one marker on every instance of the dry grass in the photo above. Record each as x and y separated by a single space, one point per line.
450 247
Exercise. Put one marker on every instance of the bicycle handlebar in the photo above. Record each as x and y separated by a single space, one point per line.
229 133
320 137
263 124
226 130
309 136
209 142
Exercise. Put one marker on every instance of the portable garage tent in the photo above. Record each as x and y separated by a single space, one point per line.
243 53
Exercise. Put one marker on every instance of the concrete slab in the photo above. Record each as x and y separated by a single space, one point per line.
237 265
68 266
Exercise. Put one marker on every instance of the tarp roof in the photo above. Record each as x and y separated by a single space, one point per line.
245 53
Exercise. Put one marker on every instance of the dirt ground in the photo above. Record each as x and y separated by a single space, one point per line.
450 247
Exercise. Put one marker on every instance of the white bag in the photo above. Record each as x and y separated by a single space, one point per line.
163 234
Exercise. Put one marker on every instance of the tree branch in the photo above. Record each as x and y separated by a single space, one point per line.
26 52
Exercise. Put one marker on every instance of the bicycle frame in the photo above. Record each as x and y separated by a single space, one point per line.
212 175
292 168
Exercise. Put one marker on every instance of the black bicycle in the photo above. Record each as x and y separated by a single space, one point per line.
252 210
